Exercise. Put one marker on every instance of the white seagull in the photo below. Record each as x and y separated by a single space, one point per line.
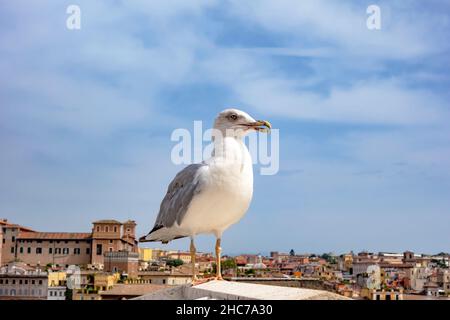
209 197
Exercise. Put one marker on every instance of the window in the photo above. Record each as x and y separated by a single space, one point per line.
65 250
4 240
12 249
164 281
99 249
38 250
13 238
51 241
39 241
40 281
110 241
88 250
28 250
33 282
110 249
60 293
98 228
20 281
115 229
107 229
1 281
21 250
26 281
76 251
50 250
14 281
66 241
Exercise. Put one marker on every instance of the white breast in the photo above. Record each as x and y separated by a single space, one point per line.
227 192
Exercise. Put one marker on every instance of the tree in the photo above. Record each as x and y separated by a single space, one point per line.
249 271
292 253
174 262
329 258
229 264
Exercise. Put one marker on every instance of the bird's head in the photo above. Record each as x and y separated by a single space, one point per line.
234 122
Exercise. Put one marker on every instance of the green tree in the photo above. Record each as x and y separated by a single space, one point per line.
174 262
249 271
228 264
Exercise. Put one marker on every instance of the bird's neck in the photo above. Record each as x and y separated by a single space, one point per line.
231 150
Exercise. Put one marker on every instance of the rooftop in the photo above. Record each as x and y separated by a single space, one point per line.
229 290
54 235
5 223
107 221
132 289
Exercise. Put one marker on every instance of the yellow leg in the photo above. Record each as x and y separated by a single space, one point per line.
218 250
193 253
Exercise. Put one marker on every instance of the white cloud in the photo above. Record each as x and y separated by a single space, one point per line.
383 102
403 35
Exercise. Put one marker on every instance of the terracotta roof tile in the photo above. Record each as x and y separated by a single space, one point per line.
54 235
13 225
107 221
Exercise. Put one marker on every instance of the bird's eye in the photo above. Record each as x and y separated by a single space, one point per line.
233 117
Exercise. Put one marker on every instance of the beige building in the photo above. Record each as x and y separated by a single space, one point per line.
183 256
19 243
166 277
23 285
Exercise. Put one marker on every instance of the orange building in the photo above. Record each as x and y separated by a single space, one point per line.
111 236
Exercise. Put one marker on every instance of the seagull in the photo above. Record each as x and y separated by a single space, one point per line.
209 197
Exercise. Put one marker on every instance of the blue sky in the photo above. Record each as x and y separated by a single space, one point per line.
86 115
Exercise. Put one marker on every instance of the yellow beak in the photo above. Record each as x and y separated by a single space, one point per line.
262 125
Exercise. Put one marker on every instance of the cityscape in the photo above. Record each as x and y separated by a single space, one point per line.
107 263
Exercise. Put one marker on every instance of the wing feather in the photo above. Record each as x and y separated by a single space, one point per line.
186 184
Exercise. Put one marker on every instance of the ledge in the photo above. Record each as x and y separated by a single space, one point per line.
229 290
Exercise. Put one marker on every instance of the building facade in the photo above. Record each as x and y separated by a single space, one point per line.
23 285
64 249
112 236
123 262
9 233
22 244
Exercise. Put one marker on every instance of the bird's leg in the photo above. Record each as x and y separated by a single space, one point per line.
218 250
193 253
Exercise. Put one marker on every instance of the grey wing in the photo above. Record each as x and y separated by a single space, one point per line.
180 193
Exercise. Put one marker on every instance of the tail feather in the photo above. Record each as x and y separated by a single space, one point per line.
160 233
